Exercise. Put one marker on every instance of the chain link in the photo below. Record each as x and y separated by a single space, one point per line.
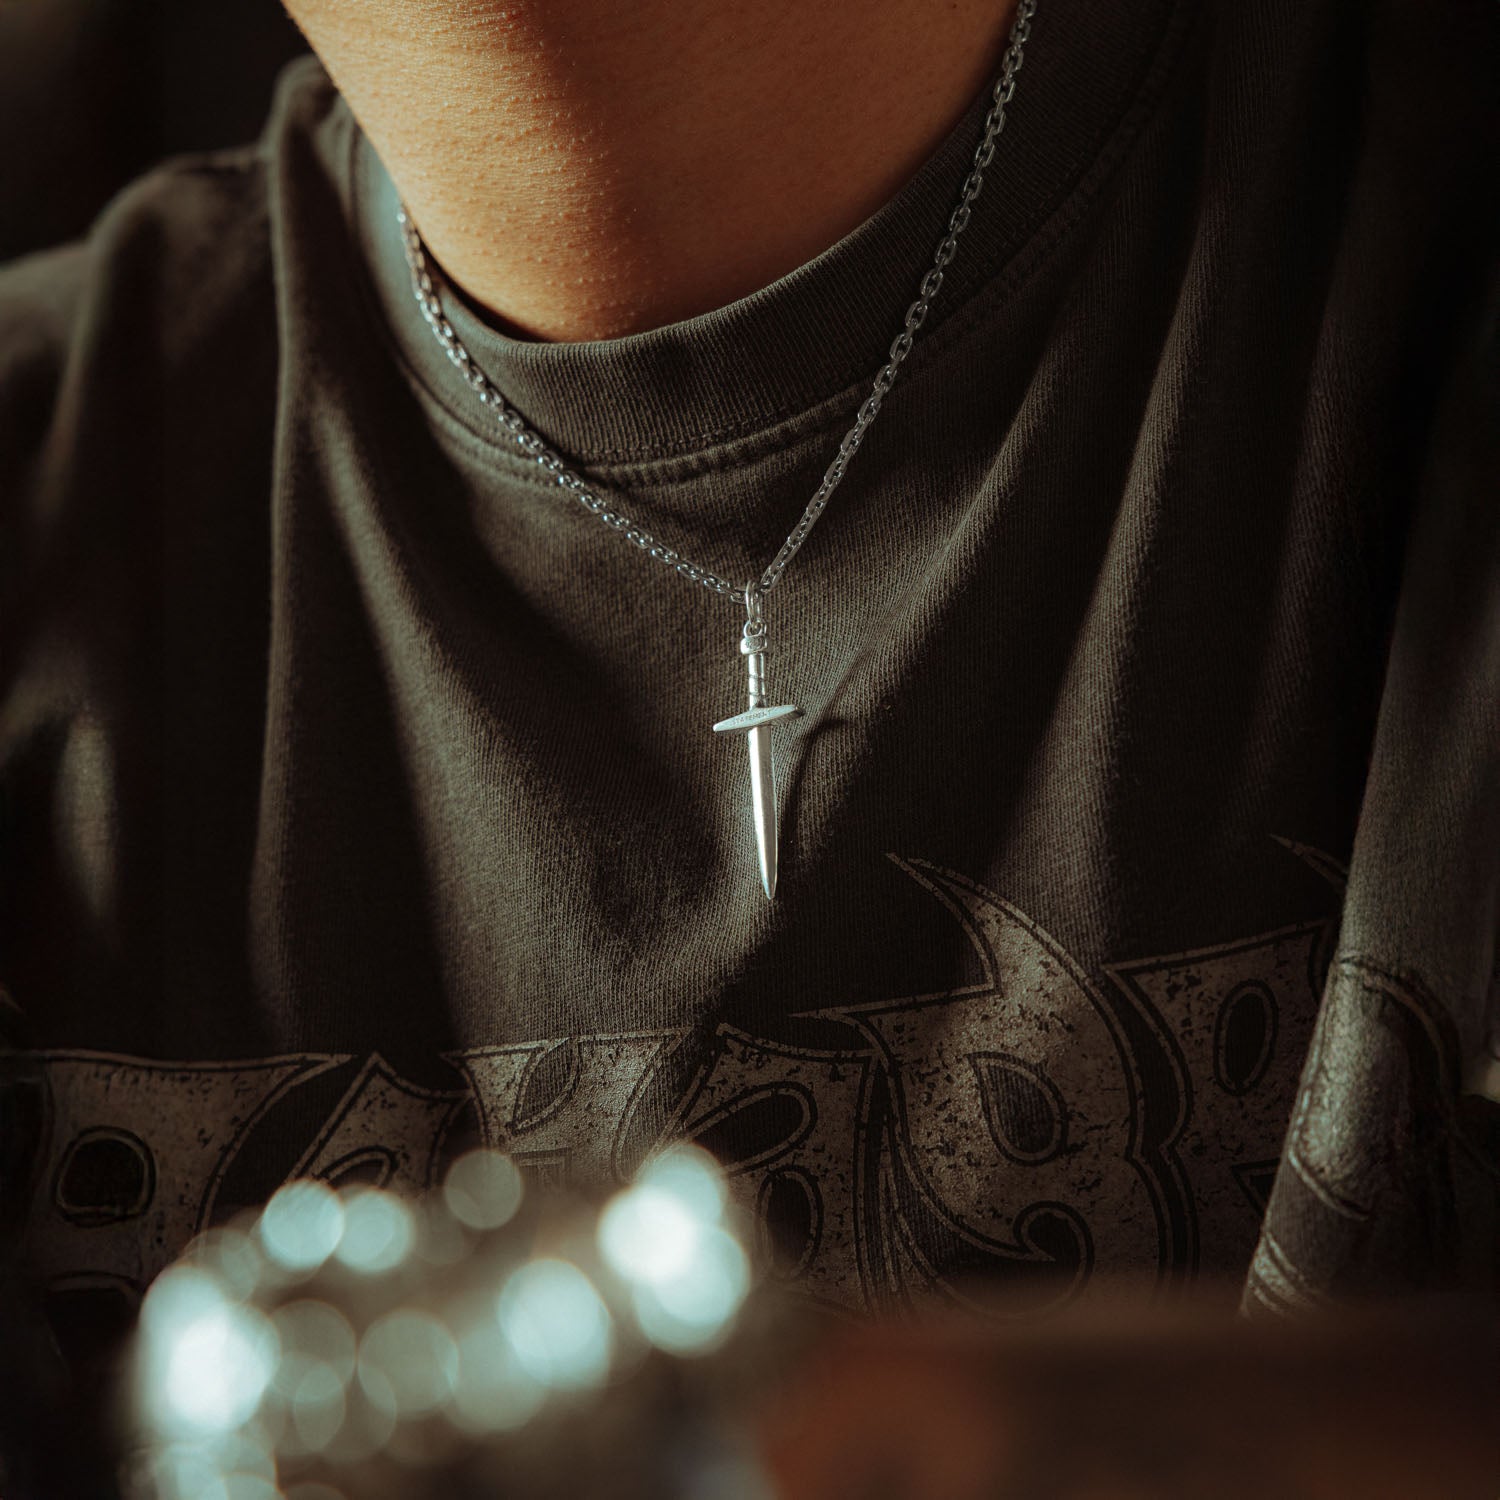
555 467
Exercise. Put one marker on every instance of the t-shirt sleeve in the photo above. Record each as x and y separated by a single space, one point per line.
104 341
40 298
137 390
1389 1173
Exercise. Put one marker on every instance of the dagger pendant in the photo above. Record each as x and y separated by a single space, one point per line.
755 724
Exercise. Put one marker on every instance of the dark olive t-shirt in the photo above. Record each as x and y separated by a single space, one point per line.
361 796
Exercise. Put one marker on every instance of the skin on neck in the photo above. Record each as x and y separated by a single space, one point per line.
585 169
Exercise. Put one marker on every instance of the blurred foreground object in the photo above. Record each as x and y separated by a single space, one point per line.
357 1346
1142 1405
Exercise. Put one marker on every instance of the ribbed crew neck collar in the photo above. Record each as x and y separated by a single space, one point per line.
819 334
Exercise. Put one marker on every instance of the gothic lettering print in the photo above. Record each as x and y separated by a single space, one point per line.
134 1155
564 1108
1242 1022
1011 1133
1024 1131
790 1126
385 1132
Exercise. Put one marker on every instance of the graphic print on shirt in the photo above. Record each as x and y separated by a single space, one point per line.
1024 1130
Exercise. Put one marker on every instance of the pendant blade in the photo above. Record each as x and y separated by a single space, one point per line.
763 795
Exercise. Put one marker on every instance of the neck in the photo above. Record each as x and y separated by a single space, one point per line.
585 170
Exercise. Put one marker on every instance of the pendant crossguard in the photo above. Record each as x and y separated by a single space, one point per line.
755 724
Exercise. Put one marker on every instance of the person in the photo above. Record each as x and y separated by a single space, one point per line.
1136 850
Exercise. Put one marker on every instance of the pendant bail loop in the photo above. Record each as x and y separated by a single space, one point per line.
755 611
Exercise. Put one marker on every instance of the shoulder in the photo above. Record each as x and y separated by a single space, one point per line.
177 260
139 374
156 334
161 260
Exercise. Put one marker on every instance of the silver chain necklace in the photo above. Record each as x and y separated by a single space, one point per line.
756 721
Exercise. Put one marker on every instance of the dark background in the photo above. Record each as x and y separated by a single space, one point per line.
93 92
